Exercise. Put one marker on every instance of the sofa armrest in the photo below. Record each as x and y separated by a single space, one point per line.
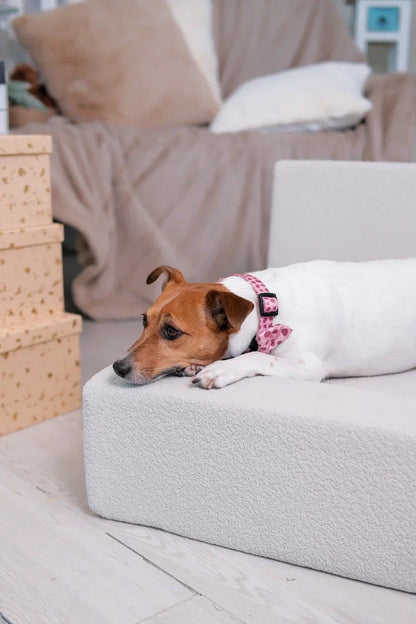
346 211
391 122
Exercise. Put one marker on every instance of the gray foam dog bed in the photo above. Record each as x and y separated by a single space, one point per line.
319 475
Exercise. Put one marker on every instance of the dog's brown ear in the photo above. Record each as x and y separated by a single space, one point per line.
227 310
171 276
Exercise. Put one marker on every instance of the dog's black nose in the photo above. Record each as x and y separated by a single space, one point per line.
122 367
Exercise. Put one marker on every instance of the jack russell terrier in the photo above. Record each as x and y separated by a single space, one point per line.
305 321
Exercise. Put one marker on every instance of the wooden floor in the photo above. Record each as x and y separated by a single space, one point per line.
61 564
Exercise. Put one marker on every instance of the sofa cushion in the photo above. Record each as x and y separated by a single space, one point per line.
312 474
141 63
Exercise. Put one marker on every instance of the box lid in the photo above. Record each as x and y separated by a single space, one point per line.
14 144
20 336
27 237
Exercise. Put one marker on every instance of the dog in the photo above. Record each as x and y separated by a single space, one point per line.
307 321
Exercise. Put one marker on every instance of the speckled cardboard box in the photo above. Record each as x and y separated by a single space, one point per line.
25 193
30 274
39 371
39 343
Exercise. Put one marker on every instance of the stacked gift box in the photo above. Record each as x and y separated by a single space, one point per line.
39 342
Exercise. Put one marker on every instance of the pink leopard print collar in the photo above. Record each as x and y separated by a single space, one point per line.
269 335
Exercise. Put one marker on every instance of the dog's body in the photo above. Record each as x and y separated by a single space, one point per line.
348 319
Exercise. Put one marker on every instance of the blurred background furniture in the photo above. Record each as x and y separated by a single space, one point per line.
7 11
185 197
384 25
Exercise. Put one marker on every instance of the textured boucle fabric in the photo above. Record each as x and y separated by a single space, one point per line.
318 475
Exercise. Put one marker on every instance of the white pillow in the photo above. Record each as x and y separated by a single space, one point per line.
311 98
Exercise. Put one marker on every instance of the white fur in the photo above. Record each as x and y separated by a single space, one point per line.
348 319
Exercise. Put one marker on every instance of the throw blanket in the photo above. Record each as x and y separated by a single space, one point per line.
197 201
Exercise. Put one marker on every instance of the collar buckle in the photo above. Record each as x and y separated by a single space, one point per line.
267 307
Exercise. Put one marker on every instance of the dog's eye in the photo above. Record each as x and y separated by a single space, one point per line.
170 333
144 320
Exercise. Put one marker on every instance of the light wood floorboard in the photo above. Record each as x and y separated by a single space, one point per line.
60 568
256 589
197 610
61 563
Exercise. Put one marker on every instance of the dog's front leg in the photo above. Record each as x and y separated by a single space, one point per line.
292 366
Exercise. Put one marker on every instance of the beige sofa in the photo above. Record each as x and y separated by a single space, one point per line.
198 201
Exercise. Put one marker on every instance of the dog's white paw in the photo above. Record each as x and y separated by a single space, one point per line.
192 370
217 375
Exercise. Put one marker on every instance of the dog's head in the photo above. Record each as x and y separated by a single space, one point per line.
188 324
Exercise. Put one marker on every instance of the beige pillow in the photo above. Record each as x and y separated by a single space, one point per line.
126 61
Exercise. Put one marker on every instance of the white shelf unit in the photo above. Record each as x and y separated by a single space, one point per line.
387 22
